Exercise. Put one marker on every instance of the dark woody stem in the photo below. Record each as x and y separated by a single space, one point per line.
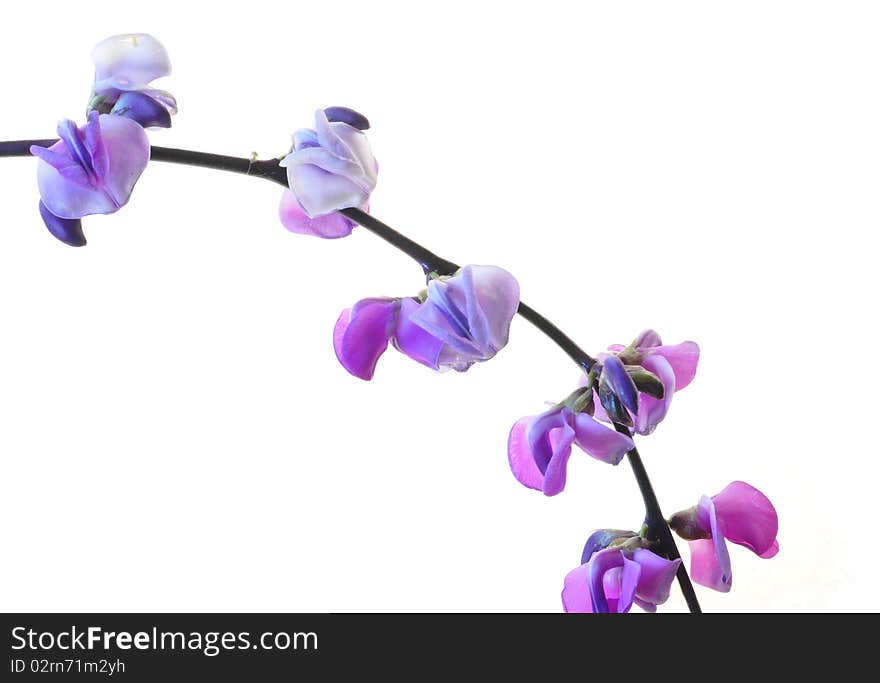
658 529
270 169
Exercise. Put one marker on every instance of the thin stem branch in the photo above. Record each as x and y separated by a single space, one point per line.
270 169
656 522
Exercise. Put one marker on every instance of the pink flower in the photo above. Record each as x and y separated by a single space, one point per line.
637 382
741 514
539 447
615 578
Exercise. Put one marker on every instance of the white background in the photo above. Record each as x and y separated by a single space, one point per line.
176 433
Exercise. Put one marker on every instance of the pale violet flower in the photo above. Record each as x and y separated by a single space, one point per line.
90 170
330 167
125 66
462 320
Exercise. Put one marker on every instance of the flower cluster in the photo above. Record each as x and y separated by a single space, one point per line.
634 386
618 570
93 169
622 568
458 321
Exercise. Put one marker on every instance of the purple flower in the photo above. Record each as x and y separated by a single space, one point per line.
636 383
464 319
741 514
329 168
125 65
90 170
612 578
539 447
470 313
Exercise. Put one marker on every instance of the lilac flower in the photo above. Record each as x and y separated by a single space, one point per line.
636 383
90 170
741 514
329 168
616 572
539 447
463 319
125 65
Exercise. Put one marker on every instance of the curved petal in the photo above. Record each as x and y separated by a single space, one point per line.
522 464
683 358
330 226
444 316
771 551
68 230
128 151
602 562
576 591
345 115
653 410
710 561
492 302
538 435
360 148
326 161
143 109
554 476
361 335
747 517
599 441
320 192
629 580
645 605
656 577
414 341
129 61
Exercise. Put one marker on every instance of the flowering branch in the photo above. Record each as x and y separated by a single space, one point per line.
430 263
463 317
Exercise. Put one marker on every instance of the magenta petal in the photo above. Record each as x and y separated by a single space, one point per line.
710 561
683 358
599 441
329 226
522 464
413 341
554 476
361 335
771 551
747 517
576 591
656 577
602 562
705 569
538 435
645 605
653 410
629 580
